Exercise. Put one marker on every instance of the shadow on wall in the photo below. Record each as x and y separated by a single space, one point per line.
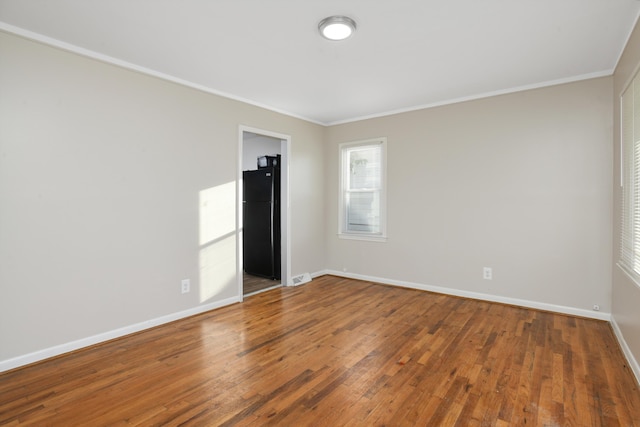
217 240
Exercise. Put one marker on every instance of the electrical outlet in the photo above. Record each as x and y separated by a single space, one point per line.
487 273
186 286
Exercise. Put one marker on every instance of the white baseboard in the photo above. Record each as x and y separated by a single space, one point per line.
320 273
633 363
479 296
47 353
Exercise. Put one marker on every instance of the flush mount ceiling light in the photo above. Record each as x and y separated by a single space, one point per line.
337 27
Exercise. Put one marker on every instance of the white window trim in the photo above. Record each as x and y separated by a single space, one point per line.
353 235
630 181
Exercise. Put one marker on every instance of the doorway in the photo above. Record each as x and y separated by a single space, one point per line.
258 151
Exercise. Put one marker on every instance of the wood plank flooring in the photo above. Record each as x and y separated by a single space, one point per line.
339 352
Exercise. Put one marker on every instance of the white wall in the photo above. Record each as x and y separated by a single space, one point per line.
114 186
626 294
520 183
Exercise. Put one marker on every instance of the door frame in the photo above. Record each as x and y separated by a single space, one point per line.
285 206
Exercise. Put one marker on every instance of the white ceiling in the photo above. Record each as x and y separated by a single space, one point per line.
406 54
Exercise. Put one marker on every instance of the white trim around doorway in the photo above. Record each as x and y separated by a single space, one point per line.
285 146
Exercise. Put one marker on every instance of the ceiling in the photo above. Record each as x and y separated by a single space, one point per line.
405 54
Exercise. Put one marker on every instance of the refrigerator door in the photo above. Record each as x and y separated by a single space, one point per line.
261 235
258 250
258 185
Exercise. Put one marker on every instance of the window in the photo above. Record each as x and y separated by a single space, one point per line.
363 190
630 239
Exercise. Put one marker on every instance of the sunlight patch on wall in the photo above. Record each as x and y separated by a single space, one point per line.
217 267
217 240
217 212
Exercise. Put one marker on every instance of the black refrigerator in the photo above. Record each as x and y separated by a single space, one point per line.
261 213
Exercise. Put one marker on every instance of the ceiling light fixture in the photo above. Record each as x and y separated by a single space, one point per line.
337 27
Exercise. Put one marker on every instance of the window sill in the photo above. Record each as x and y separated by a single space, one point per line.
362 237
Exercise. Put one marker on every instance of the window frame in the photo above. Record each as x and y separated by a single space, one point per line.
343 233
629 260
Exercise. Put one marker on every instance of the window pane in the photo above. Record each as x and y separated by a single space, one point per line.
363 211
630 232
363 190
364 167
627 238
635 184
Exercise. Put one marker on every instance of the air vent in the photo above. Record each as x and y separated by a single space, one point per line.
301 279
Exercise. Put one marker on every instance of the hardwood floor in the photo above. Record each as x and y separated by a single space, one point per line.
339 352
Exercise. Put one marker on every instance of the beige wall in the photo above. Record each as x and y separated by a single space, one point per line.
520 183
114 186
626 294
103 173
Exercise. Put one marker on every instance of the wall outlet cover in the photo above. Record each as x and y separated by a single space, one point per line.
185 285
